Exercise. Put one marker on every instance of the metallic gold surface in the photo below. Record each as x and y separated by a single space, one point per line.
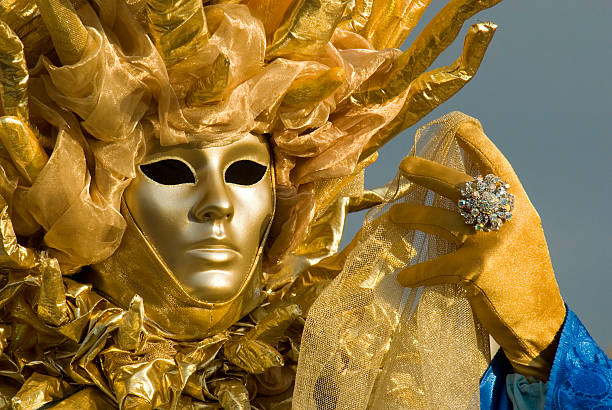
325 230
88 398
24 18
131 329
432 88
309 90
23 147
439 33
392 21
52 307
217 224
68 33
232 394
308 28
253 352
18 13
147 373
12 254
137 269
13 74
270 12
357 14
178 27
211 85
40 389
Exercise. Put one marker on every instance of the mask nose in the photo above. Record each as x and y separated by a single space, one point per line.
214 204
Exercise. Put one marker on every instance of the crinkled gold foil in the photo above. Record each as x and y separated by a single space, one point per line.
13 74
232 395
211 85
116 350
392 21
357 14
434 87
131 329
308 29
18 13
88 398
52 307
271 329
253 351
40 389
253 356
24 18
177 26
329 209
439 33
27 154
309 90
12 254
6 394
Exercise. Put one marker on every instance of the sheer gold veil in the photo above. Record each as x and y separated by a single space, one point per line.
370 343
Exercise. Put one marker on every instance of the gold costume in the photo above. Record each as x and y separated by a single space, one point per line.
87 85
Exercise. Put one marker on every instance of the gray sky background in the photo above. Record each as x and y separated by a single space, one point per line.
543 94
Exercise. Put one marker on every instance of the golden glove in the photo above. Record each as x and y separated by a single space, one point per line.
507 274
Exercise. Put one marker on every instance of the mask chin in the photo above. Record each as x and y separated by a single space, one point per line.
136 268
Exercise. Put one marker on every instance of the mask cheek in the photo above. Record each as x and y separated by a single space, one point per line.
254 210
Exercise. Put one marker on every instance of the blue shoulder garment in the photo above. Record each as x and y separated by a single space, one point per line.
581 377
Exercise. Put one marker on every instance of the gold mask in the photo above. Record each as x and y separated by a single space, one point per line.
197 220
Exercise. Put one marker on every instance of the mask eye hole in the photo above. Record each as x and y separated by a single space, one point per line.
168 172
245 172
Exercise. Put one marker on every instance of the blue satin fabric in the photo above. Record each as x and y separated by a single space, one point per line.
581 377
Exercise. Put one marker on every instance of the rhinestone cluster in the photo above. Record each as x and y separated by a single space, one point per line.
486 203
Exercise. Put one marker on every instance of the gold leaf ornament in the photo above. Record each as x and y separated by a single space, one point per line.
23 147
432 88
209 88
52 307
439 33
177 27
13 74
12 254
312 89
131 329
308 29
254 352
253 356
232 394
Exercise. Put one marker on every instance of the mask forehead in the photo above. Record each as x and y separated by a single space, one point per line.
250 146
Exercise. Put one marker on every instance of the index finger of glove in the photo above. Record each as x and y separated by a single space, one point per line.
439 178
487 157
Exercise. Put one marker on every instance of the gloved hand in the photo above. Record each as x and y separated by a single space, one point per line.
507 274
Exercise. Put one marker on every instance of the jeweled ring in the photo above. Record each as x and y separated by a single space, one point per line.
486 203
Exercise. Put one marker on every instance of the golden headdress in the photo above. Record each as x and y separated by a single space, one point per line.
84 84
